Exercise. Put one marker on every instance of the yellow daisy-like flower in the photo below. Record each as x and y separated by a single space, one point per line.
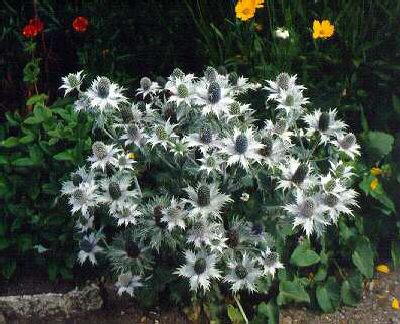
374 184
376 171
383 268
322 29
259 3
131 155
395 303
245 9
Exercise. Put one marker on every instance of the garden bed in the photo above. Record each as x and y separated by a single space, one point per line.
376 307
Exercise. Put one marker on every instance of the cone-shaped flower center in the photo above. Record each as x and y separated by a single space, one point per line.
267 149
99 150
200 266
77 179
183 91
214 92
87 245
210 74
233 237
331 200
257 228
115 190
203 195
241 144
205 135
161 133
79 196
240 271
323 122
271 258
300 174
307 208
103 87
145 83
348 141
283 81
126 113
234 108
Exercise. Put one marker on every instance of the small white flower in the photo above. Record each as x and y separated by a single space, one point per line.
269 260
72 81
102 155
347 144
89 248
200 269
245 196
127 283
206 200
282 33
242 148
243 274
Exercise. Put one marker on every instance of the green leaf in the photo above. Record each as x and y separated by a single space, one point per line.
23 162
3 160
66 155
378 145
292 291
35 99
27 139
266 313
328 295
351 290
363 257
8 268
303 256
234 315
33 120
395 251
10 142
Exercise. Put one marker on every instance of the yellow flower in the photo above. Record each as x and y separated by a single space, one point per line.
259 3
376 171
395 303
245 9
383 268
374 183
322 29
131 156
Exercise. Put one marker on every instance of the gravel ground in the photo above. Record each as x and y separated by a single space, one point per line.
376 306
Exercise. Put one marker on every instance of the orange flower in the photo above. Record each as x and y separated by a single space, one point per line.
259 3
322 29
245 9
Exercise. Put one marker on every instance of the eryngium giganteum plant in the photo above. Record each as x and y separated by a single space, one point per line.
187 171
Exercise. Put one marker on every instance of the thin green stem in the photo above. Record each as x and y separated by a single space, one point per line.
241 309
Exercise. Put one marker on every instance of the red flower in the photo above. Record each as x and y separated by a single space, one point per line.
32 29
80 24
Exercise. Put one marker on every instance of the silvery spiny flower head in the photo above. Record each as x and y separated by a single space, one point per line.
243 274
295 174
126 213
206 140
115 192
283 82
83 197
104 95
269 260
147 88
206 233
291 102
174 215
200 269
72 81
125 163
77 177
133 134
205 200
347 143
89 248
308 213
325 124
103 155
162 134
211 163
242 148
127 283
279 128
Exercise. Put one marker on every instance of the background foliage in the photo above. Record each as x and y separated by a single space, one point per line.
357 70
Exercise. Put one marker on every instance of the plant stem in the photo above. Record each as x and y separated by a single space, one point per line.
138 186
241 309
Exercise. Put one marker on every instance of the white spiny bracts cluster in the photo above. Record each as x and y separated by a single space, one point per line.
191 171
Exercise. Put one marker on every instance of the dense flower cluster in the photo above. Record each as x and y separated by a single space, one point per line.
33 28
185 161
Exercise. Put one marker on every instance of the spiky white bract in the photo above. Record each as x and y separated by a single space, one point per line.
127 283
243 274
200 269
126 214
205 140
205 200
79 176
163 134
147 88
83 197
205 233
211 163
295 174
174 215
89 248
103 155
72 81
283 82
133 134
325 124
182 91
104 95
269 260
347 143
242 148
308 213
291 101
279 128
